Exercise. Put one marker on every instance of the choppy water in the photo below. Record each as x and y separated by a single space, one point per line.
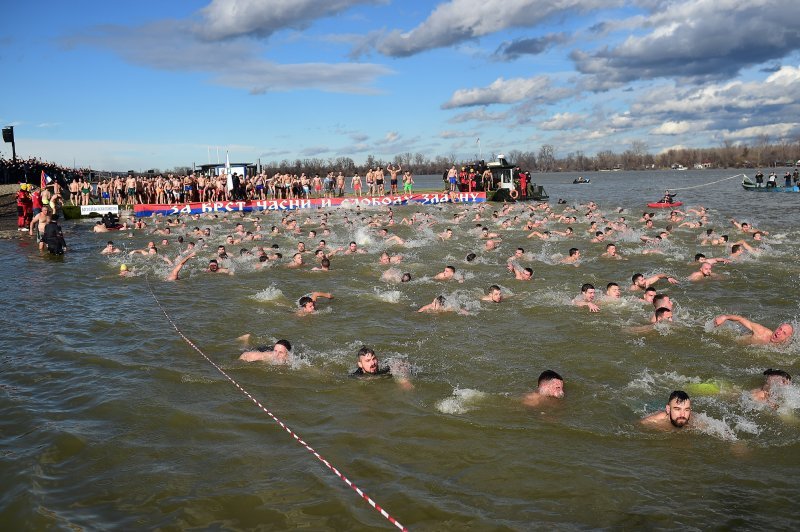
110 420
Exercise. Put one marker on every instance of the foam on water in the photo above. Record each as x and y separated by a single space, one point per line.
461 402
713 427
388 296
269 294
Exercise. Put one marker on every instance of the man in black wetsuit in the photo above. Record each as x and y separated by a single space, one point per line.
53 238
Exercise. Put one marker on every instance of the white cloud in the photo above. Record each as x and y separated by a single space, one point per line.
449 134
697 40
672 128
478 115
223 19
773 131
561 121
500 91
459 20
170 46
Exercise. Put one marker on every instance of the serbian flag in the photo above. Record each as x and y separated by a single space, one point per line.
46 180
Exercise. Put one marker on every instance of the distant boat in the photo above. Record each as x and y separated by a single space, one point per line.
752 186
581 181
664 205
679 167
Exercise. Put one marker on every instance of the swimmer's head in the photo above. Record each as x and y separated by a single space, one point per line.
306 303
777 377
782 334
551 384
663 314
679 408
495 293
471 257
367 360
405 278
282 348
649 294
123 268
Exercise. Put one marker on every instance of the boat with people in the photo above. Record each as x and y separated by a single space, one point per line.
667 202
770 186
510 183
664 204
581 181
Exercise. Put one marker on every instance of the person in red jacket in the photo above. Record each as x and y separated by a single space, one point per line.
24 208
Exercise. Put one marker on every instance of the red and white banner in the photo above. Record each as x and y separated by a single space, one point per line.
434 198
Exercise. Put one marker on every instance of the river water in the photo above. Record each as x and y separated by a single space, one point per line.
111 420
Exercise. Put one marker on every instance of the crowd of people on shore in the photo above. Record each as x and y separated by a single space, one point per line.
30 171
540 222
230 186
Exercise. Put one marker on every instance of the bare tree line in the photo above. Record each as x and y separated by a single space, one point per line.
762 153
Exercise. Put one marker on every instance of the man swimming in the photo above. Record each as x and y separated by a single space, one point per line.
279 354
549 386
774 379
586 298
494 294
676 414
308 304
640 282
760 335
369 366
703 273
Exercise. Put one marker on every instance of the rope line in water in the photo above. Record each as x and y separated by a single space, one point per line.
293 434
712 183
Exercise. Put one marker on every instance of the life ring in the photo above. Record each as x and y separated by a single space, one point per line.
514 194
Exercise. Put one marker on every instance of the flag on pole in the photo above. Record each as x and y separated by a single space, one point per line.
46 180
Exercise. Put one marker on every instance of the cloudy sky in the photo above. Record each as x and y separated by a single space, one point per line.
135 85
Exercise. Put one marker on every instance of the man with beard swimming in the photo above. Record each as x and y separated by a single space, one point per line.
676 414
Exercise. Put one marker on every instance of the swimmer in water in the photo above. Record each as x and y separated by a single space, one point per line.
449 273
369 366
611 252
173 275
640 282
775 379
324 266
573 257
703 273
661 315
389 259
676 414
439 304
520 274
612 292
214 267
308 304
661 301
549 386
760 335
494 294
110 249
586 298
279 354
393 275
